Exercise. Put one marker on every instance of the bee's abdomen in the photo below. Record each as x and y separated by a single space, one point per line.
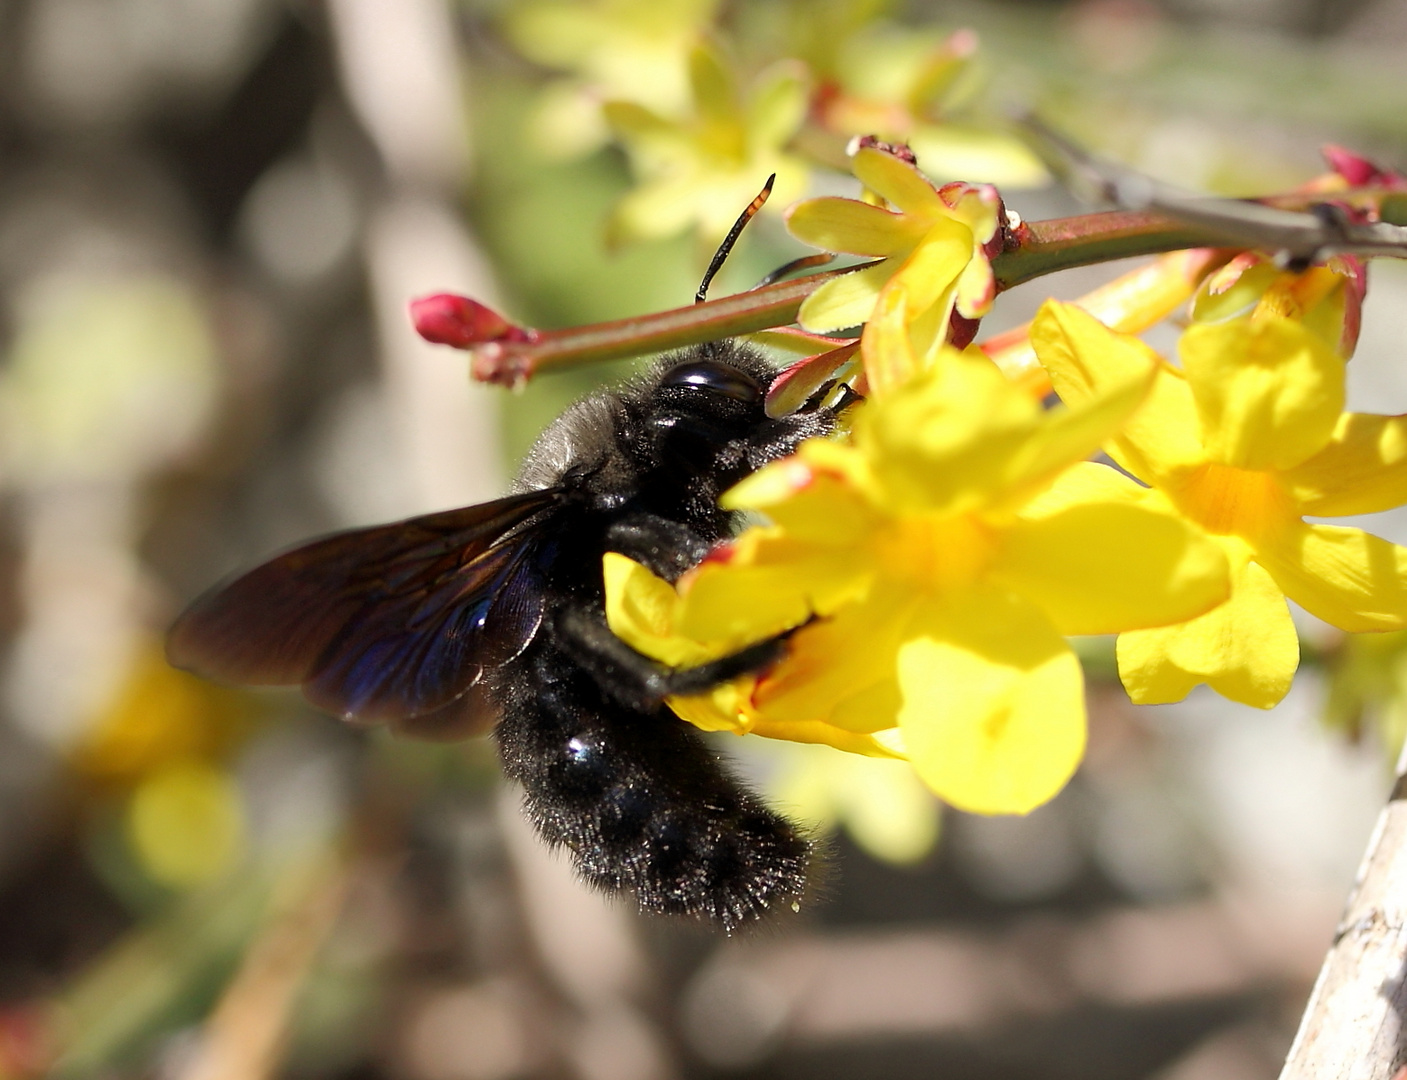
643 806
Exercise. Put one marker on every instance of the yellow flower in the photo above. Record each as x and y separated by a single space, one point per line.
627 50
1328 299
186 823
1245 440
644 611
946 551
942 238
702 170
881 804
911 86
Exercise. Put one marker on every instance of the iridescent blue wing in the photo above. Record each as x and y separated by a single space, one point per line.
393 624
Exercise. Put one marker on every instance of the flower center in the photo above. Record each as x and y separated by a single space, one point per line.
935 553
1226 500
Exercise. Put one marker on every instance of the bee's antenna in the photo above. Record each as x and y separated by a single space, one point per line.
736 231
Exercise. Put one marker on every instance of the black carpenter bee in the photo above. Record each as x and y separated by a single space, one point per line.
445 624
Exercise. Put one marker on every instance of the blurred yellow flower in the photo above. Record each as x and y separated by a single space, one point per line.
881 804
106 377
946 551
186 823
912 86
937 237
1327 299
701 170
625 50
157 716
1245 440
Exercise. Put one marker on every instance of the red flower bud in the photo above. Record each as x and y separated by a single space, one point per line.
1359 171
449 319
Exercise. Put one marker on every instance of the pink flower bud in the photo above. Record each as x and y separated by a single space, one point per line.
1359 171
449 319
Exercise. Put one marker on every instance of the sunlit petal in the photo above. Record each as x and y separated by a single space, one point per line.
934 266
834 662
846 300
898 183
770 584
723 708
1363 469
834 224
1347 577
640 611
890 360
945 440
1099 566
1075 432
1083 356
993 712
808 731
1245 649
1269 391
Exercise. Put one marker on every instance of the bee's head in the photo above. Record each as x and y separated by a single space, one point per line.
708 414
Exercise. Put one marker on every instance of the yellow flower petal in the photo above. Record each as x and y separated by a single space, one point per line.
887 351
898 183
817 732
976 288
778 104
1347 577
934 266
723 708
1363 469
1100 565
944 441
847 300
715 93
993 714
1269 391
640 611
1073 432
832 511
770 585
834 662
835 224
1083 357
820 470
1246 649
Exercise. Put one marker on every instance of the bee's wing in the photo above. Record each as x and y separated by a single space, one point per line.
393 624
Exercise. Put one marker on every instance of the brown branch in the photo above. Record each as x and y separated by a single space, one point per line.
1355 1025
509 355
510 362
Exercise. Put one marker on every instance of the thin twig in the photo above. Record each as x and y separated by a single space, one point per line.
1301 234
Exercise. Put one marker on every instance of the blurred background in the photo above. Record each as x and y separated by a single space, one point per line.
212 216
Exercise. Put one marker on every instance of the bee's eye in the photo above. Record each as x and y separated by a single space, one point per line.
717 378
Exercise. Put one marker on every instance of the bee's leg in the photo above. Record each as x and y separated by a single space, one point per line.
666 547
634 679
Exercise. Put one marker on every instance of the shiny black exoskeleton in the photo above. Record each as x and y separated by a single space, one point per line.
445 624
